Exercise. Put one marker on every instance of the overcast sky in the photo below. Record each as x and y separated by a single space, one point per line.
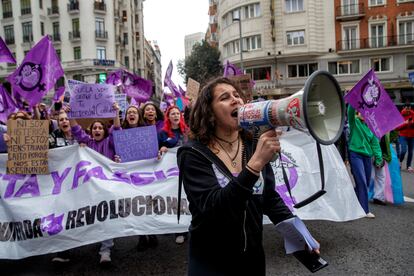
168 21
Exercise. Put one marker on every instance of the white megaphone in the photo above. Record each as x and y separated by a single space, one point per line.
317 109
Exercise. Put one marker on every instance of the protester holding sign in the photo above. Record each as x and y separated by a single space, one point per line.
229 186
152 115
362 146
63 135
173 134
133 118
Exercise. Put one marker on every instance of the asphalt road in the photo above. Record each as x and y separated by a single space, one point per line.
380 246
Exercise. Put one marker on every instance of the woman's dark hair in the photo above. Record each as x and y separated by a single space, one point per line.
160 115
202 121
105 127
125 124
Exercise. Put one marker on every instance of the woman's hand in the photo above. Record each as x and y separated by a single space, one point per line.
115 106
117 158
162 150
267 146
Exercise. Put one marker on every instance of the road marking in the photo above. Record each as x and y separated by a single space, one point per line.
408 199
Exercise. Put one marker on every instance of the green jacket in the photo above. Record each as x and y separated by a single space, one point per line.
385 147
361 138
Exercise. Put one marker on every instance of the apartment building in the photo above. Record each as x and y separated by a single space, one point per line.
153 68
92 38
211 34
191 40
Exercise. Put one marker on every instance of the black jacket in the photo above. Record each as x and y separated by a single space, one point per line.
226 227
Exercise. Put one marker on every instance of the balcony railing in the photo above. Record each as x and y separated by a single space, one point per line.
375 42
101 34
75 35
7 14
73 7
53 10
99 6
350 11
56 37
27 38
26 11
9 41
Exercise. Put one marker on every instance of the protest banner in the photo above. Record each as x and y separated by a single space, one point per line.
245 84
28 146
193 88
122 103
136 143
92 101
86 194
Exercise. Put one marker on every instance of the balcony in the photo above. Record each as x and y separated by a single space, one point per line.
99 7
74 36
9 41
101 35
53 11
350 12
73 7
7 14
377 42
27 38
56 37
25 11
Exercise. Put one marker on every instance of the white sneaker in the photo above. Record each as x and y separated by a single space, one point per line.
105 257
370 215
179 239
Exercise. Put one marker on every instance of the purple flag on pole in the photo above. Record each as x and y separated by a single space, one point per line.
38 72
231 70
7 105
169 83
115 78
59 93
5 54
182 91
370 99
136 87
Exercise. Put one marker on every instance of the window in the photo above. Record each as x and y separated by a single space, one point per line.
27 32
100 53
9 34
410 62
377 36
376 2
349 7
124 16
75 27
125 38
251 11
77 53
59 54
381 64
301 70
56 31
350 38
406 32
252 43
262 73
295 38
25 7
100 25
41 4
344 67
293 5
126 58
42 28
7 8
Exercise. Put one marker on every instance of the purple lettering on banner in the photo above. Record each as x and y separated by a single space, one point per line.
160 175
121 177
173 172
51 224
29 187
141 179
12 178
79 173
96 172
293 179
58 180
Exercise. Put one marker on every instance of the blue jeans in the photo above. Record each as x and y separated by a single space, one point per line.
407 142
361 167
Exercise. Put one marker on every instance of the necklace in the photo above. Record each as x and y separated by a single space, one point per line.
233 160
228 142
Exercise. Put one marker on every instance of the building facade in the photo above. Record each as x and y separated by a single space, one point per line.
92 38
211 34
153 68
191 40
284 41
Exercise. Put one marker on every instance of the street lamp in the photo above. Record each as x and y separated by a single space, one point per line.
237 17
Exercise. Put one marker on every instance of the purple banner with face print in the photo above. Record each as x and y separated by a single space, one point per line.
370 99
38 72
5 54
136 87
115 78
7 105
92 101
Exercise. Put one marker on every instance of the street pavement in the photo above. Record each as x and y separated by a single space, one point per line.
380 246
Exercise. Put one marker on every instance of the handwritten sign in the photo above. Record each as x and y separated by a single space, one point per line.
122 103
193 87
136 143
28 146
244 82
92 101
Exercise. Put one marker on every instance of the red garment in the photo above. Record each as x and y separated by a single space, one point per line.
407 129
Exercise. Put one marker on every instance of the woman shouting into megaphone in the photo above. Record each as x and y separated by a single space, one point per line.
228 184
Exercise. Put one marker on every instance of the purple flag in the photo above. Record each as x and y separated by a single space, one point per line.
5 54
136 87
115 78
169 83
182 91
60 91
38 72
370 99
7 105
231 70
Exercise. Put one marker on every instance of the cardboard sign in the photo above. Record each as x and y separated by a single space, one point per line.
121 99
28 146
92 101
193 88
136 143
244 81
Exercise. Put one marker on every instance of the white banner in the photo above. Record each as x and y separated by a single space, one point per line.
87 198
